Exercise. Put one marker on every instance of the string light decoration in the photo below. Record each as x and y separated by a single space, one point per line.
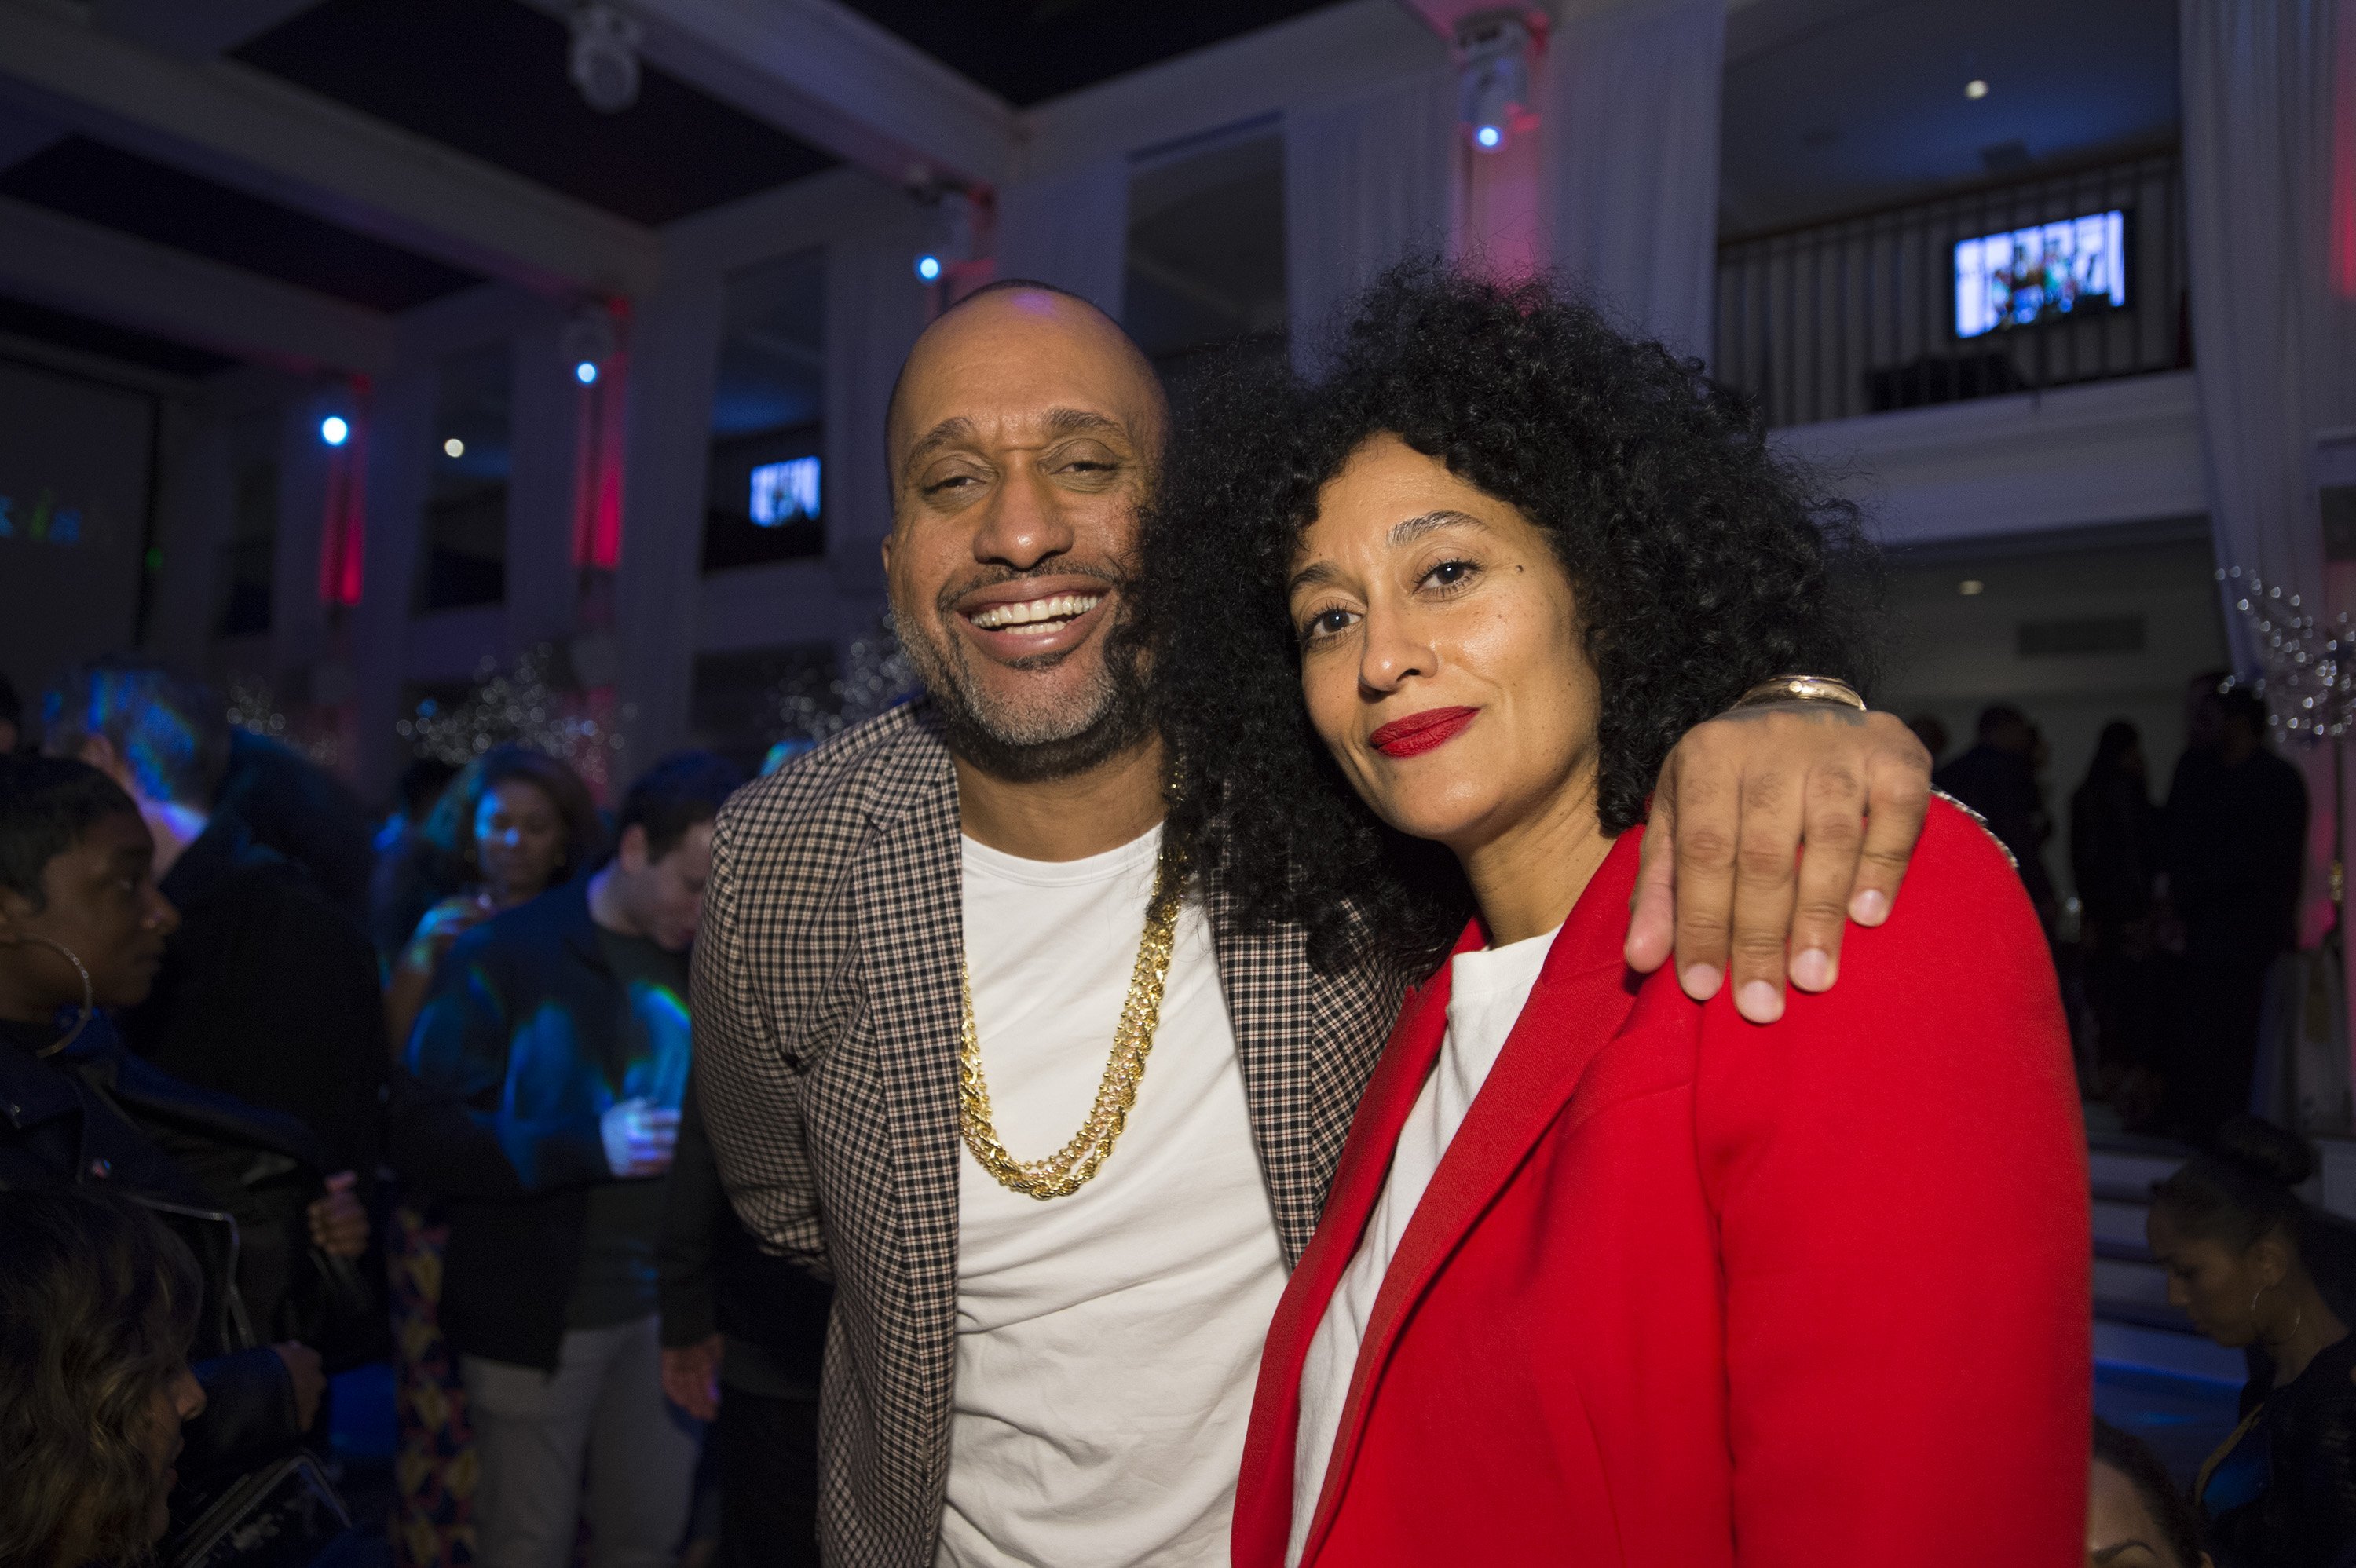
2310 682
531 705
254 708
806 706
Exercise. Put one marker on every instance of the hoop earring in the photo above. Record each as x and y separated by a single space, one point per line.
89 997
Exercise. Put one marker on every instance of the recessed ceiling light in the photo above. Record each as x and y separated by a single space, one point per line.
1975 88
1970 586
455 447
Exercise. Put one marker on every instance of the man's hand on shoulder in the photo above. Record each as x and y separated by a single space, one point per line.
1770 827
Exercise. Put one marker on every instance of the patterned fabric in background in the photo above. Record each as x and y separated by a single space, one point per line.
434 1464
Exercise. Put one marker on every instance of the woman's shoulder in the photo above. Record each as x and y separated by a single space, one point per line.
1961 884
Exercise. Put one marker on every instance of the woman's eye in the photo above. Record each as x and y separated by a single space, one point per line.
1325 624
1450 573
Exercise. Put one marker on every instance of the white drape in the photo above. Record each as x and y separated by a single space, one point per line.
1630 114
1367 181
874 309
1070 229
2269 187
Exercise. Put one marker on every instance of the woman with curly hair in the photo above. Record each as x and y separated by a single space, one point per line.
98 1308
1606 1273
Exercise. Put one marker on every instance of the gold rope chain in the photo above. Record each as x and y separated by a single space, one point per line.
1069 1168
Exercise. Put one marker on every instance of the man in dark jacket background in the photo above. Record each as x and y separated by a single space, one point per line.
560 1030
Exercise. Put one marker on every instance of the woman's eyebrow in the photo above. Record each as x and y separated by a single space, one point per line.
1412 528
2113 1552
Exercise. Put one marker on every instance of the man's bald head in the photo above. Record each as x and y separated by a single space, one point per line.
1021 317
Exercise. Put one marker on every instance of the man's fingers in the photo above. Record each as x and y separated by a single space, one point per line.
1899 797
1835 832
1652 920
1765 886
1709 808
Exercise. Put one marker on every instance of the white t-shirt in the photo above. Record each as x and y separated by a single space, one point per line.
1485 994
1106 1341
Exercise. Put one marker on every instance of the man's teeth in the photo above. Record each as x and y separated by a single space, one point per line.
1035 612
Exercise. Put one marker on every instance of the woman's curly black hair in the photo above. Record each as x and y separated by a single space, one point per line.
1702 563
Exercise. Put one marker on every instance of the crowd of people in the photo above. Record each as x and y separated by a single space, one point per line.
2184 906
1535 1122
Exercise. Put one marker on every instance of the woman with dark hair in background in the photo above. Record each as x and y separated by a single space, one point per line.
514 823
2244 1255
1606 1274
98 1308
2116 839
2135 1516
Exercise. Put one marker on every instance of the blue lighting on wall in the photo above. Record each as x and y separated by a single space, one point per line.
928 267
784 491
334 431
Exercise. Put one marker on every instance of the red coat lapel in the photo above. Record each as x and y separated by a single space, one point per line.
1583 994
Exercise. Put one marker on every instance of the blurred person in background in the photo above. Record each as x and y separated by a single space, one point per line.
98 1310
507 828
2135 1516
1931 730
287 803
269 989
12 717
511 825
744 1343
1998 779
562 1027
415 795
2235 858
2239 1246
2116 840
83 930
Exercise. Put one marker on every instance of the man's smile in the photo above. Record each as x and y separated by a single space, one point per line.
1023 619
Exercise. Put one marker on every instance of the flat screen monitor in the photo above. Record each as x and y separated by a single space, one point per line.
785 491
2041 273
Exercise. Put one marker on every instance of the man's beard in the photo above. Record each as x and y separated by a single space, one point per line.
1024 744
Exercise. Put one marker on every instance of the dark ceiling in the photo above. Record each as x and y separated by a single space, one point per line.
1030 50
487 77
70 331
104 185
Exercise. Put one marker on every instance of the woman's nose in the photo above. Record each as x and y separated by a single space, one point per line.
1392 652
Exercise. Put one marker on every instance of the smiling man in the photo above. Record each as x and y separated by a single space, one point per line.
1056 1121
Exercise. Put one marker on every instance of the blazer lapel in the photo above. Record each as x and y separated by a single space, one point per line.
1583 994
908 886
1264 1501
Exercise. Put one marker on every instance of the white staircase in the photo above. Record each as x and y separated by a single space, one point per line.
2135 1327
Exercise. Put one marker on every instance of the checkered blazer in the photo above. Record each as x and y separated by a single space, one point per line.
826 1035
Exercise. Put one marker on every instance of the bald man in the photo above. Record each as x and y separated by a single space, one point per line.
920 943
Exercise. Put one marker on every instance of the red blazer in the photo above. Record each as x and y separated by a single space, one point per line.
1686 1291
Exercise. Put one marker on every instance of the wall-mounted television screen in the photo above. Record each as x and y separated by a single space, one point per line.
2041 273
785 491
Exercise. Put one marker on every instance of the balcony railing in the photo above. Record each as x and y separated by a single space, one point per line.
1858 316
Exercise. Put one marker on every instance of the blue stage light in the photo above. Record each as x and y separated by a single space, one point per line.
585 372
334 431
928 267
1491 137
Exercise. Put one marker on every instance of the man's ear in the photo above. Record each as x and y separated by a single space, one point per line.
16 912
887 553
630 848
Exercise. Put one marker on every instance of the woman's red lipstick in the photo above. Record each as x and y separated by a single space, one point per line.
1419 732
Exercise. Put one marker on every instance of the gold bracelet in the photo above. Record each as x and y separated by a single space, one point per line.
1801 689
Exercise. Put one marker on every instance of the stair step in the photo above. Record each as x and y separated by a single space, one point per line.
2118 1227
2139 1348
2127 1175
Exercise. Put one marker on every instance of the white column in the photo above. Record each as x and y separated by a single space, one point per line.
874 309
674 355
1070 229
544 418
400 421
1630 116
1367 180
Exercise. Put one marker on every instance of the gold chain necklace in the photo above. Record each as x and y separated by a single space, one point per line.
1069 1168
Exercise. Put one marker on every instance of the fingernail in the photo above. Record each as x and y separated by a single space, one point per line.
1812 970
1870 907
1702 981
1759 1001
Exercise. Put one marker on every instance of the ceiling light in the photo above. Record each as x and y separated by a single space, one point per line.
454 447
1970 587
1976 89
585 372
603 60
588 341
1494 89
951 231
928 267
334 431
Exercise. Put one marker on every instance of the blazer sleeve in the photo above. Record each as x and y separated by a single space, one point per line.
749 1096
1899 1172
